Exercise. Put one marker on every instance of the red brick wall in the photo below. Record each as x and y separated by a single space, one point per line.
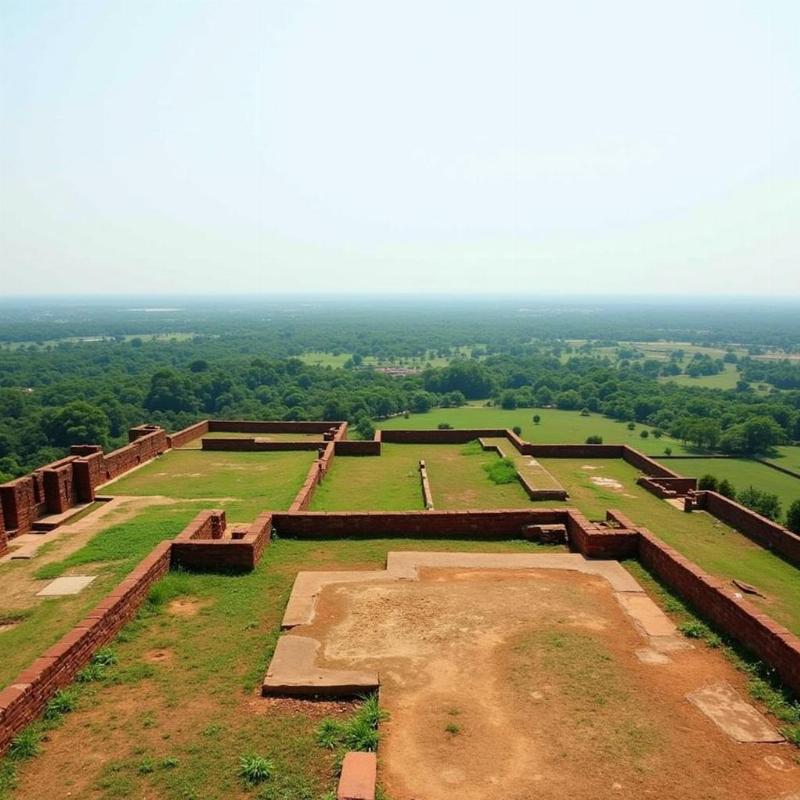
316 474
60 492
198 547
769 641
23 503
3 536
441 437
496 524
356 448
182 437
761 530
258 426
26 697
90 472
668 487
575 450
137 452
252 445
646 464
427 496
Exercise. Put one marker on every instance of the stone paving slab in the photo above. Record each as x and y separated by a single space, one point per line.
294 671
741 721
646 615
71 584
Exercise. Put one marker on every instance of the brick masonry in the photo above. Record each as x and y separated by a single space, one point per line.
427 496
182 437
761 530
738 618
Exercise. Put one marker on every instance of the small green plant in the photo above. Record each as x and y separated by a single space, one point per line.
594 439
104 657
63 702
25 744
452 729
254 769
360 732
693 629
501 471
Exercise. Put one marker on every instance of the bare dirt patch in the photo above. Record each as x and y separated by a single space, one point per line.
185 607
527 683
159 655
606 483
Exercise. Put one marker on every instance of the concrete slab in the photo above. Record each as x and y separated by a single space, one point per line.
649 656
72 584
358 778
647 616
294 671
743 723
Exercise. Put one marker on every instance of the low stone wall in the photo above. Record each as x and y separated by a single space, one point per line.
182 437
26 697
243 445
316 474
427 496
668 488
761 530
574 450
203 544
353 447
141 449
648 465
496 524
595 540
456 436
279 426
770 642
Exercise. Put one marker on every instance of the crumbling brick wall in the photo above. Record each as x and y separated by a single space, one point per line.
182 437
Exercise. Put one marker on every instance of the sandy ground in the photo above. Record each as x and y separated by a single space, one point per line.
522 685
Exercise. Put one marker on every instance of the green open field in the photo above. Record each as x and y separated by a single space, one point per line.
253 482
715 547
741 472
787 456
391 482
723 380
555 426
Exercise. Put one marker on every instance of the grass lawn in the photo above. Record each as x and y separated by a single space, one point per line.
259 481
787 456
555 426
110 555
742 472
390 482
715 547
723 380
181 706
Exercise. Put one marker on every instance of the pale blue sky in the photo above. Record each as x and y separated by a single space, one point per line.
341 145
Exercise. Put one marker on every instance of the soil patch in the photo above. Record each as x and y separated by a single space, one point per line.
499 684
185 606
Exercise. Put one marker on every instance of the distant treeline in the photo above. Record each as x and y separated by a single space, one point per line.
51 398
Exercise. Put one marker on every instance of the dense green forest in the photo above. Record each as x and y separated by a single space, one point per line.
176 365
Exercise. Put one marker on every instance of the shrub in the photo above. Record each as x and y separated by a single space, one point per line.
360 732
501 471
536 419
667 451
585 412
62 703
594 439
764 503
726 489
255 769
25 744
517 430
793 517
644 434
444 426
631 426
708 482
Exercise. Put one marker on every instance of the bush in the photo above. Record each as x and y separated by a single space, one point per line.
793 517
631 426
444 426
667 451
501 471
536 419
708 482
25 744
255 769
517 430
644 434
594 439
764 503
726 489
585 412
